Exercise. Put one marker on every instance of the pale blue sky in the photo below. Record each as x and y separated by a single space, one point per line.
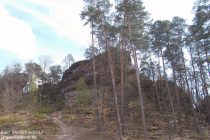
30 28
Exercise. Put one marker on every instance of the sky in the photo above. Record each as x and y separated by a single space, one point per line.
31 28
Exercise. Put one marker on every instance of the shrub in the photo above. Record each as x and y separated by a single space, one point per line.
83 97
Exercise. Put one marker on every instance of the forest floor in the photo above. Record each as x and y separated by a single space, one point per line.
61 125
70 127
67 125
70 131
64 132
47 126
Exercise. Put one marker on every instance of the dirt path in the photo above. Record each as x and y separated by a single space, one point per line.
65 132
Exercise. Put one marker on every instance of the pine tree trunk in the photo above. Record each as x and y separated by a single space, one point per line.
177 96
155 85
194 75
205 89
159 69
133 49
111 67
168 90
203 77
122 85
95 93
140 93
207 60
195 116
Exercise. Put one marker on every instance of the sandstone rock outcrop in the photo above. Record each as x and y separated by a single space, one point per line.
74 73
83 69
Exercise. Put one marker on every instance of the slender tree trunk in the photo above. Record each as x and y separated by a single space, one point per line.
133 49
195 115
122 85
140 93
95 93
207 60
169 126
111 67
194 75
195 84
40 95
177 96
123 71
159 68
205 89
168 90
155 85
161 84
203 77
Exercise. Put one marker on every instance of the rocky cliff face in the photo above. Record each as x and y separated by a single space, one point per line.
16 80
74 73
83 69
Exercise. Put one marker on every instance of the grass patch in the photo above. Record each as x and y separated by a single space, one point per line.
9 119
69 117
46 110
38 116
23 120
